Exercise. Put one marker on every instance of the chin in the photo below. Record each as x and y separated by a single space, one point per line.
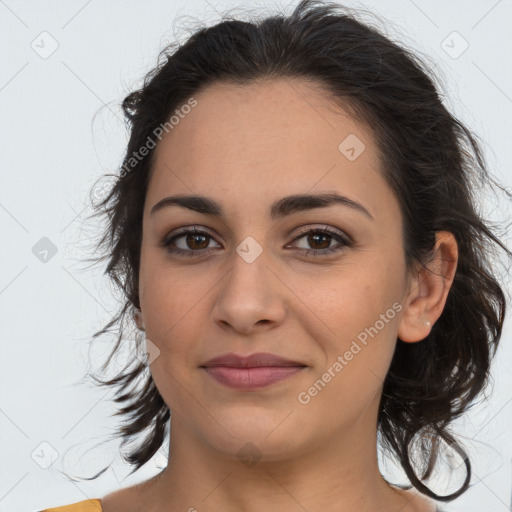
256 439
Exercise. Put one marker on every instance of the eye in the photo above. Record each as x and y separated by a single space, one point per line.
195 242
321 239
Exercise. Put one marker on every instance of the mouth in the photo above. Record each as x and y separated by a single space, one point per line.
251 372
251 378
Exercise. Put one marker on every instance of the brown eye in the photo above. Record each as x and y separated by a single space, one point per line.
194 242
320 240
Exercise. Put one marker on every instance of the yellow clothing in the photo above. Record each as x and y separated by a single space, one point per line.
93 505
82 506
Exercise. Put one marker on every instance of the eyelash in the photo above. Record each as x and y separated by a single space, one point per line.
344 241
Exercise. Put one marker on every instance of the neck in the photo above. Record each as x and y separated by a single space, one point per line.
339 474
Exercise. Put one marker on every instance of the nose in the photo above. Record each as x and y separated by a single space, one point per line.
250 297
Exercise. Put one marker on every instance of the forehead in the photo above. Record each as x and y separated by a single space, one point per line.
268 139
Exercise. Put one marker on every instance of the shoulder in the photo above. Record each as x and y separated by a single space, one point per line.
129 499
92 505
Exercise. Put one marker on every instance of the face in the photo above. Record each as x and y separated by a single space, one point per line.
321 286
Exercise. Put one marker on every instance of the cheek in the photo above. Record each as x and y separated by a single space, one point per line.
177 306
168 294
349 299
359 313
357 357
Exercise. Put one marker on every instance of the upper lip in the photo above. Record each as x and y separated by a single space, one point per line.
251 361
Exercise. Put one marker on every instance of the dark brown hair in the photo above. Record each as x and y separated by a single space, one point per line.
432 162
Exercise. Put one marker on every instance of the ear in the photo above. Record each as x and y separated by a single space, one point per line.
139 320
428 290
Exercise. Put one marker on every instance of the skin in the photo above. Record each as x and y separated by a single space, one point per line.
247 146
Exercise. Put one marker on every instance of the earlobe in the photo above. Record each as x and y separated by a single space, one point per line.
429 290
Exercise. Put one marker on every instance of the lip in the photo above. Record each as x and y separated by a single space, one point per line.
251 361
251 372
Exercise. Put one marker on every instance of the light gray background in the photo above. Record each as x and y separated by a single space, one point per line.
53 149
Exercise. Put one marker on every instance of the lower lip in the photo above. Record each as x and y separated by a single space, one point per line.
251 378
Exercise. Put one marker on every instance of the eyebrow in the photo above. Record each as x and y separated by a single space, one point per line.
279 209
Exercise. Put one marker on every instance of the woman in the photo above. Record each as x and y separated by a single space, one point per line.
295 233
